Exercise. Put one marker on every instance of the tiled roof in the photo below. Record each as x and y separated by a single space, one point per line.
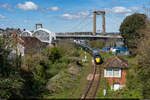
30 42
116 62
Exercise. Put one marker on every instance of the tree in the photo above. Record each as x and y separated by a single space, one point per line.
143 69
10 80
129 30
54 53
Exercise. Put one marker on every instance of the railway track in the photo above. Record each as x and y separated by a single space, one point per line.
94 84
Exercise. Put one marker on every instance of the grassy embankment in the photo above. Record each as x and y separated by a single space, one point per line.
78 85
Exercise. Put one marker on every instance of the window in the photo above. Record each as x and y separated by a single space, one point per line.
109 72
115 72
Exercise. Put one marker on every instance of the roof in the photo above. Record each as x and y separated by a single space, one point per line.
116 62
105 49
31 42
27 31
118 48
121 48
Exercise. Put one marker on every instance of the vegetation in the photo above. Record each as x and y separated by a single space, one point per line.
31 75
137 85
132 89
11 82
138 77
76 81
143 66
58 71
97 44
42 67
129 31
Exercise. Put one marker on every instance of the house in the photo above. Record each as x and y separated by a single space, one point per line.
115 71
25 44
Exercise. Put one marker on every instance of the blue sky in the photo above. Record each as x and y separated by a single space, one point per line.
67 15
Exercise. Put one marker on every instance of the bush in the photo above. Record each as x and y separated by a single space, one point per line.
11 81
97 43
54 53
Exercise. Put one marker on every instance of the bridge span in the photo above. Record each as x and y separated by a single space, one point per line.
87 37
47 36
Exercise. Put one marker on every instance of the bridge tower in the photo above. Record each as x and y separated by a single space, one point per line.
94 21
38 25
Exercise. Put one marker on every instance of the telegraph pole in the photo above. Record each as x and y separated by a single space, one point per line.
103 21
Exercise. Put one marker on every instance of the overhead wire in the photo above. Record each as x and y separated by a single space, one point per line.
86 25
81 22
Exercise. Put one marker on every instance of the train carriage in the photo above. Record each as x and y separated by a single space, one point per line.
96 55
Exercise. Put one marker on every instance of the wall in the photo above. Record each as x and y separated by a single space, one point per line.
121 80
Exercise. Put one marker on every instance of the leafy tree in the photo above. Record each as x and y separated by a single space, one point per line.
54 53
143 75
5 66
10 80
143 68
35 77
129 30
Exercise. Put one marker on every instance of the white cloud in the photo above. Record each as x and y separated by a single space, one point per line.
2 17
135 8
28 5
128 14
6 6
81 14
120 9
69 16
107 10
55 8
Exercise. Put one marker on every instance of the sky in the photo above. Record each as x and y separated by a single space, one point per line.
68 15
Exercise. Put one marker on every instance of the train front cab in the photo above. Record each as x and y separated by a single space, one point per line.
98 59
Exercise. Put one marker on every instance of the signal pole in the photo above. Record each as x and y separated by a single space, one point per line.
94 21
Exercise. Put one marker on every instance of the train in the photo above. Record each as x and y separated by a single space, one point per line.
95 54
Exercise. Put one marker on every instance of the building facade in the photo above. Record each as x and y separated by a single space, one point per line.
24 44
115 71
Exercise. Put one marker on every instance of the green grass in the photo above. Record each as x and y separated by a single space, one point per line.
106 56
78 85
